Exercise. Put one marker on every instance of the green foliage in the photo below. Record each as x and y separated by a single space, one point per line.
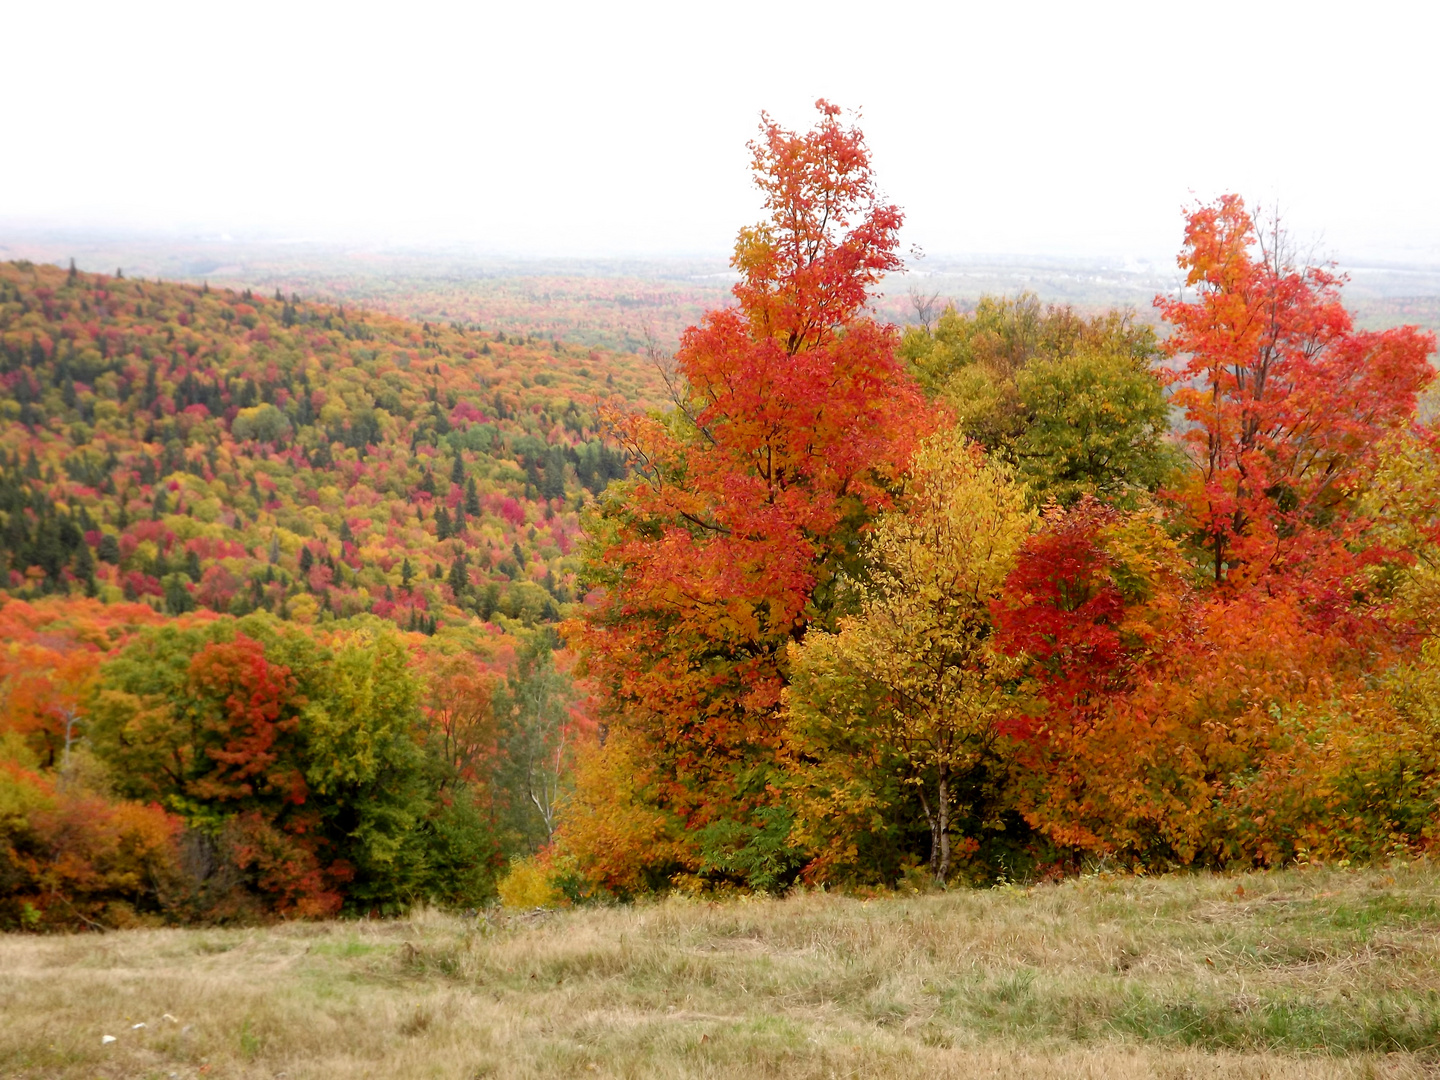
532 709
263 423
364 766
1071 402
762 855
1096 422
461 854
307 747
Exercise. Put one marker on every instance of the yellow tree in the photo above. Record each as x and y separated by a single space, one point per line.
1402 504
911 686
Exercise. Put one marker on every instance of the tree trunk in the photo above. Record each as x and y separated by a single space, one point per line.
934 823
939 821
942 814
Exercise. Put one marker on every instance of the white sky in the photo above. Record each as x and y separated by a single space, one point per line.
614 129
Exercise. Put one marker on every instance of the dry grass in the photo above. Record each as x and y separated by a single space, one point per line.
1295 974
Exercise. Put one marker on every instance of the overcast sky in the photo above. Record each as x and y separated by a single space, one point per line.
526 128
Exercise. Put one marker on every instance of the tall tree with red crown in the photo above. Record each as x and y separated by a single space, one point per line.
1286 401
793 421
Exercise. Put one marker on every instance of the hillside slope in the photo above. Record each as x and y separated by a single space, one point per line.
196 448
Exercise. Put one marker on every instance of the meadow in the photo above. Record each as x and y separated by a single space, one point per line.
1297 973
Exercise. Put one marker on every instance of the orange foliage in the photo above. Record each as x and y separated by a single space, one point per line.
1287 404
619 839
251 703
74 859
50 660
1232 747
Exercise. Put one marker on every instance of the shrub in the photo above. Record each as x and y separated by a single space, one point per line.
528 885
70 859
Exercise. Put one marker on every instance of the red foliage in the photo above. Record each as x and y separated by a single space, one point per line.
1286 403
1062 610
75 860
252 704
285 867
797 419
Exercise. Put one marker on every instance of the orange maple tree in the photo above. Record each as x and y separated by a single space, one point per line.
1286 401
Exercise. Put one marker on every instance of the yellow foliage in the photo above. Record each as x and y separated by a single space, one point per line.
1404 500
610 827
304 608
528 885
911 683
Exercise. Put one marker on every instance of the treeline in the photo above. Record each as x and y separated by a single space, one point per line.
1015 591
213 769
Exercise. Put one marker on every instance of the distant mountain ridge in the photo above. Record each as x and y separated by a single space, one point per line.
625 303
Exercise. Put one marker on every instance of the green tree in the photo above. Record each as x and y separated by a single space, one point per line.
299 760
533 713
459 576
1094 423
365 766
1070 402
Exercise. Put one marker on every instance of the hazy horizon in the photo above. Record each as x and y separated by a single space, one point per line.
620 132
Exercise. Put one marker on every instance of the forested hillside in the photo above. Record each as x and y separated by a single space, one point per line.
280 582
194 448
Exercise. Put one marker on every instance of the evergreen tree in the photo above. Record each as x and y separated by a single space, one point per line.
459 579
85 565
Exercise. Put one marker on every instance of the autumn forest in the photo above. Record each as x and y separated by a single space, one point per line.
310 609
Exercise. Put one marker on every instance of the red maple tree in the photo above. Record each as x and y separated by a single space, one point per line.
794 420
1285 400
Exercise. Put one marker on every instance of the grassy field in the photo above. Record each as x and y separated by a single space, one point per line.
1302 973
